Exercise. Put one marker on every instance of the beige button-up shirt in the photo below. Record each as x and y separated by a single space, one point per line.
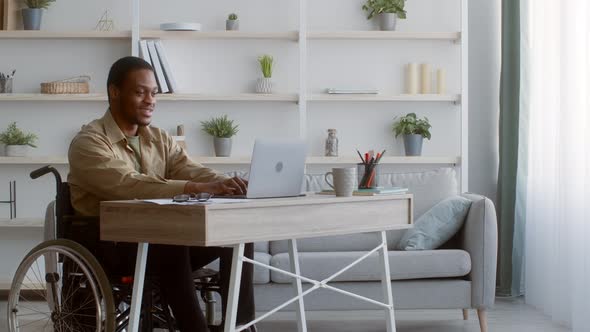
102 166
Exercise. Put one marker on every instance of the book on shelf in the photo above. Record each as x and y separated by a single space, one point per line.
143 51
379 191
166 66
160 78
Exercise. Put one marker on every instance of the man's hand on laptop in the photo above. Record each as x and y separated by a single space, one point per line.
232 186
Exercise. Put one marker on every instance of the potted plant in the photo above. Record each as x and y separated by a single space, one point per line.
264 84
388 10
32 15
222 129
414 131
17 143
232 23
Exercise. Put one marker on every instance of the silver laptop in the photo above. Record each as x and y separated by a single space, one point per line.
277 169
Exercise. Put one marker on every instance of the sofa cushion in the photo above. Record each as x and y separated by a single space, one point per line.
261 275
429 187
437 226
261 247
404 265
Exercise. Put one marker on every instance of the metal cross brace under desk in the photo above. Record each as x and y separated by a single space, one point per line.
258 220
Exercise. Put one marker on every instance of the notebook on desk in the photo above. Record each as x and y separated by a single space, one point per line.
276 170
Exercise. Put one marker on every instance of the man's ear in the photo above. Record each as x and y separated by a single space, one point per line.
114 91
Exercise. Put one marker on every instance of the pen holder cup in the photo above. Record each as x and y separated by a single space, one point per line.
6 85
368 176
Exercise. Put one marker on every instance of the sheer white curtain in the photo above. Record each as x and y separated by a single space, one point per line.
555 90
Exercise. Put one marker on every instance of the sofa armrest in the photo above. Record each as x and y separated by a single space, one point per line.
479 237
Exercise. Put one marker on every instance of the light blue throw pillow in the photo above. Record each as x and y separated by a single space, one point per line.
437 225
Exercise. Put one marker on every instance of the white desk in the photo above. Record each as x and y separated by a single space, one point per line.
258 220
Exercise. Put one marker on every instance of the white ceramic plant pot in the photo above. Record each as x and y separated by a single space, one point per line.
264 85
17 150
387 21
232 25
222 146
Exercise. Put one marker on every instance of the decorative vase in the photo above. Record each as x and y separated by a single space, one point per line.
17 150
413 144
264 85
387 21
222 146
32 18
232 25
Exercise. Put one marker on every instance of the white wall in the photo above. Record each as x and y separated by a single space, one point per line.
230 66
484 78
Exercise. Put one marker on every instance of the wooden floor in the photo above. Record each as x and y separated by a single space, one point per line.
508 316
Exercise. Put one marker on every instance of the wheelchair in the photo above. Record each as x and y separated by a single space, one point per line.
61 286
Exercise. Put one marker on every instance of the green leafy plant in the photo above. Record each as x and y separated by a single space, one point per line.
44 4
14 136
220 127
411 125
266 62
375 7
232 17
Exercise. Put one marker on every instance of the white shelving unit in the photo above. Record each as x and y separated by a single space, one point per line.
302 97
21 223
385 35
382 97
312 160
31 34
158 34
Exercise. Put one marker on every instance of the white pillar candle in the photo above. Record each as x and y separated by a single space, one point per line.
412 84
426 78
441 81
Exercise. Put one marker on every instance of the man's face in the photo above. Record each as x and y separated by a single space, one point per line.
136 98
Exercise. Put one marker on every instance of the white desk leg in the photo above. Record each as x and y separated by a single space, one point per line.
235 279
139 278
386 283
294 259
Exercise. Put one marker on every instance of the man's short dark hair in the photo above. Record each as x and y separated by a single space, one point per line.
122 67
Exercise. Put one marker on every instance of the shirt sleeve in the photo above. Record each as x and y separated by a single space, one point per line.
93 166
181 167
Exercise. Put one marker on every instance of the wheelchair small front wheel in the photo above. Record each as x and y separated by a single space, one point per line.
60 286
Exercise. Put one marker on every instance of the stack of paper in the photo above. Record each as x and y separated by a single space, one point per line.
153 52
352 91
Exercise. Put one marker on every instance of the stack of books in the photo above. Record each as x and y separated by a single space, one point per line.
152 51
372 191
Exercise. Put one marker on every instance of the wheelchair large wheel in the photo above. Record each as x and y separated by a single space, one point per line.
60 286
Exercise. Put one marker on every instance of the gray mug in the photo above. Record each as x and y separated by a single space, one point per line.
344 181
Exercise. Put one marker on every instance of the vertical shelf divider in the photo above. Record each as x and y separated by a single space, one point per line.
302 45
464 97
135 13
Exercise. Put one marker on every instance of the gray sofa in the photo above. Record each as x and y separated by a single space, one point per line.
461 274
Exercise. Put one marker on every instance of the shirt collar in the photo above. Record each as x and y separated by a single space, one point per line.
115 134
111 128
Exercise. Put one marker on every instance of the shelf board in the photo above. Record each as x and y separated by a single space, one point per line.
385 160
31 34
384 35
383 97
245 160
22 222
50 160
160 97
52 97
227 97
159 34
